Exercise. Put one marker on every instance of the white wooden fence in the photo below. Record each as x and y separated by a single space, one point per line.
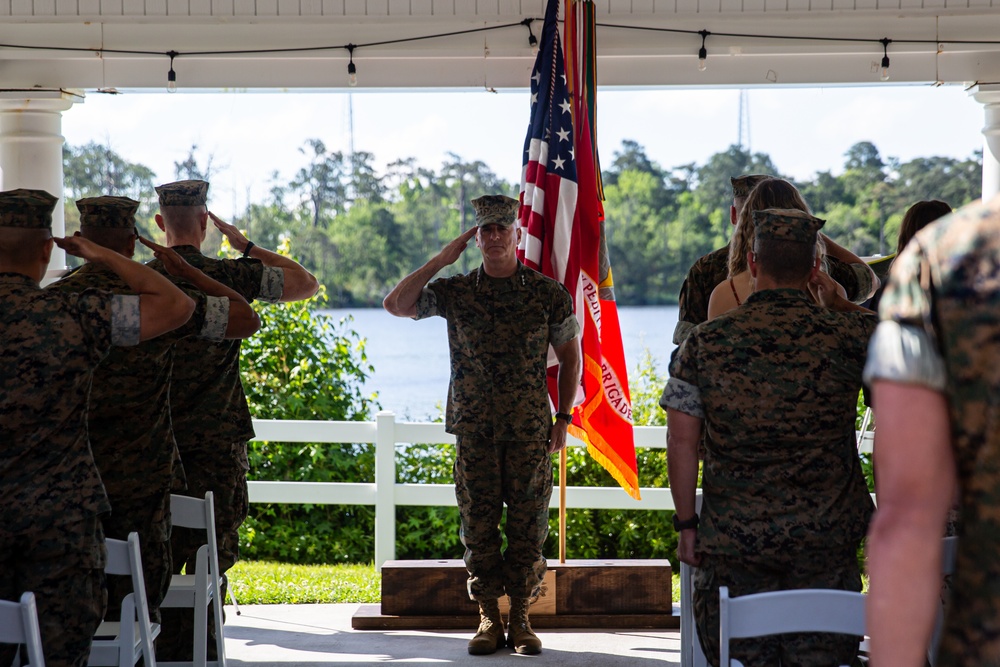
385 494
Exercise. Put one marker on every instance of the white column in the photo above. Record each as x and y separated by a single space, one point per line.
31 145
988 94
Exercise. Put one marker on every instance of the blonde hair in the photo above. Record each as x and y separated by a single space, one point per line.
769 193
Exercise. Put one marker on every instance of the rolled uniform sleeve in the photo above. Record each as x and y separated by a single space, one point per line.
682 392
427 305
125 320
863 276
683 397
272 284
216 318
905 345
564 331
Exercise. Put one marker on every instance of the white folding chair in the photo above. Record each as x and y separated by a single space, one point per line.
781 612
19 625
949 546
197 590
691 653
122 643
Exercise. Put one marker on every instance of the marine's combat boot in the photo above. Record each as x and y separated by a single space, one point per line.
521 637
489 637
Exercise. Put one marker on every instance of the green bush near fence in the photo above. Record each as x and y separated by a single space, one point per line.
302 365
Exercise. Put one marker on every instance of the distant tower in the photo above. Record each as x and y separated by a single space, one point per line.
743 132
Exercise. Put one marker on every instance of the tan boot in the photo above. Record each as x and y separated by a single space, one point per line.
489 637
521 637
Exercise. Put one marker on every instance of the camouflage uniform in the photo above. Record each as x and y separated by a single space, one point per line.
51 496
499 332
785 503
131 436
212 425
713 268
939 330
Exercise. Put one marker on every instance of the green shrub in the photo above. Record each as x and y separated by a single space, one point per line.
301 365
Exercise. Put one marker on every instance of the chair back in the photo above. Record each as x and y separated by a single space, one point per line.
781 612
949 554
196 590
124 559
19 625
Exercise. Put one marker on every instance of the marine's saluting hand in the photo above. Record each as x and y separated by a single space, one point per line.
231 232
451 252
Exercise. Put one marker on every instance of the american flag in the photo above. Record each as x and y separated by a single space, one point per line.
561 221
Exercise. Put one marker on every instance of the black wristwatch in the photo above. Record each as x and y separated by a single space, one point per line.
685 525
565 415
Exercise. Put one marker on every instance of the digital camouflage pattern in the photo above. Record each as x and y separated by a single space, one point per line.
183 193
499 332
51 494
28 209
212 426
489 473
713 268
776 382
742 185
107 212
130 428
495 210
208 403
692 303
943 300
784 224
64 567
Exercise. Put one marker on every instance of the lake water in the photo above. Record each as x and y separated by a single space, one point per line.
411 358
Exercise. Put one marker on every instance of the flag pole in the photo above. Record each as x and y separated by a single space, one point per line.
562 506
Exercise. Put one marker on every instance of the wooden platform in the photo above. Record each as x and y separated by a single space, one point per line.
575 594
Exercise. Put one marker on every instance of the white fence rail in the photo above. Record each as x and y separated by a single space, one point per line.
385 494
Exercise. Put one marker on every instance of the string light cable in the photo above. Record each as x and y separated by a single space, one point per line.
532 41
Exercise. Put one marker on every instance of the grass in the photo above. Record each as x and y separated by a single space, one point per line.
262 582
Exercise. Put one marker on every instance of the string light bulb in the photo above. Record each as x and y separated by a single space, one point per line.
352 70
172 75
532 40
885 58
703 52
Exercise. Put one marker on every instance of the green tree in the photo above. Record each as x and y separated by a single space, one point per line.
321 184
93 170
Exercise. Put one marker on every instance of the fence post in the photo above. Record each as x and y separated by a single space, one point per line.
385 488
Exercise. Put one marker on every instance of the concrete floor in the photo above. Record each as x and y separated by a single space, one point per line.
313 635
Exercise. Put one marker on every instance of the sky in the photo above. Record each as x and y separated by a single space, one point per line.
250 135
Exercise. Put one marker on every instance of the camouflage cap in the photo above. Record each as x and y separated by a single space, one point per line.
29 209
496 210
183 193
742 185
108 212
786 224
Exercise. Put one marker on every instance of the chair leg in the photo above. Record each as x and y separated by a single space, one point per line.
220 635
232 600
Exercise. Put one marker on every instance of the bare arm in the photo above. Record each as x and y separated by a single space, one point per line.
402 300
837 251
243 319
568 355
162 305
683 436
916 477
299 284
